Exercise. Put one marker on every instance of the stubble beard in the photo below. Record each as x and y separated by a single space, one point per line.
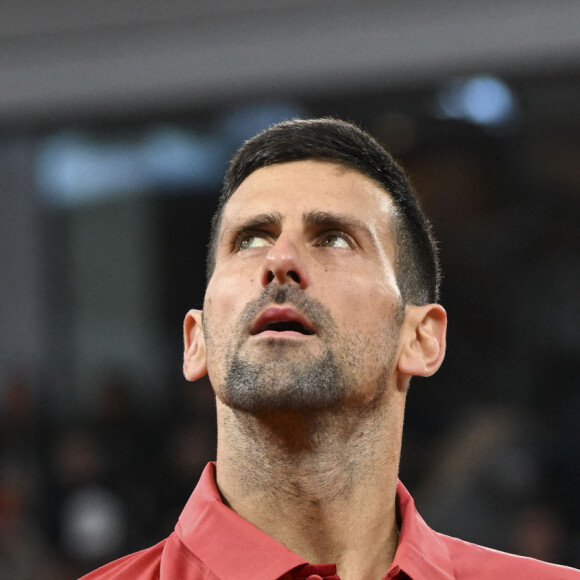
278 384
279 379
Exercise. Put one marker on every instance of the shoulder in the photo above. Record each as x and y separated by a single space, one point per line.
142 565
473 561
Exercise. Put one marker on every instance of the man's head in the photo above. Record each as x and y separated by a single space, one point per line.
417 265
322 273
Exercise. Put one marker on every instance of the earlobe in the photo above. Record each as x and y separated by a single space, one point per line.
423 340
194 360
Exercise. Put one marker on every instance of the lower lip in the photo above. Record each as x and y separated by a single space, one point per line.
283 334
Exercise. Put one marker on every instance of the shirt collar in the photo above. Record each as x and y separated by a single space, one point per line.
250 553
229 545
420 552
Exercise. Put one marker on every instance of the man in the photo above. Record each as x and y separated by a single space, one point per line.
321 305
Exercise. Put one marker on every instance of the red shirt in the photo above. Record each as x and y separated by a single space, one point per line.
212 542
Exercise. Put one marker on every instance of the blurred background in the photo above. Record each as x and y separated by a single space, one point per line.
117 121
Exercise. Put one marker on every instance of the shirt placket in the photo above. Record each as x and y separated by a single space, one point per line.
316 572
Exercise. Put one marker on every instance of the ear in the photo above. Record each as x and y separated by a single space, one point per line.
194 361
423 340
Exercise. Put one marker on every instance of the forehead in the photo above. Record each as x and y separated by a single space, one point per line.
300 186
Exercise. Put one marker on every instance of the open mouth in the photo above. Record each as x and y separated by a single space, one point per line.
283 321
287 326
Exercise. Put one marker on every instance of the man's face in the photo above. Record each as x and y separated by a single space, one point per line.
303 309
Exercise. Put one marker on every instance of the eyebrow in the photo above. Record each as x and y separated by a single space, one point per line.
313 218
338 221
256 221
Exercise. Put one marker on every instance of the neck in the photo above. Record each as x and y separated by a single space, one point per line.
322 485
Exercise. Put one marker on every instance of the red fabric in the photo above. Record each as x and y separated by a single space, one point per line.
211 542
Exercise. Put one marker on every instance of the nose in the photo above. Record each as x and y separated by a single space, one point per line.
284 263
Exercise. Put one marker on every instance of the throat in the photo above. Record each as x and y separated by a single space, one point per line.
322 488
304 456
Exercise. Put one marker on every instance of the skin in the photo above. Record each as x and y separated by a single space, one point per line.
316 472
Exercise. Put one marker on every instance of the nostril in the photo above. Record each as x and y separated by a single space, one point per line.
290 275
294 276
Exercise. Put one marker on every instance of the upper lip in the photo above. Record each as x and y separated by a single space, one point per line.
279 315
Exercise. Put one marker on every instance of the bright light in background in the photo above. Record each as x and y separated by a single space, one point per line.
173 157
94 524
483 100
76 167
73 167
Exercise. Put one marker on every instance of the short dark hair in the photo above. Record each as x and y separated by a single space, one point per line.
417 265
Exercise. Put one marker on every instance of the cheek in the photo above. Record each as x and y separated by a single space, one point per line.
224 301
369 307
219 297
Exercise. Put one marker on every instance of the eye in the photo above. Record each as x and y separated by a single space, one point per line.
252 241
334 241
